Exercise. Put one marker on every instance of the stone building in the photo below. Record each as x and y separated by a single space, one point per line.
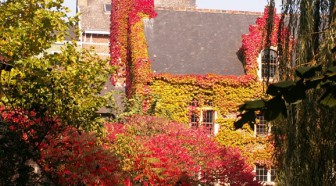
187 45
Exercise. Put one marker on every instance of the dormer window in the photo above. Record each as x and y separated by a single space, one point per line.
107 8
269 63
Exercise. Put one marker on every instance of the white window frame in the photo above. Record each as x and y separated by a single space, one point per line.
259 60
268 176
105 10
200 122
268 125
208 118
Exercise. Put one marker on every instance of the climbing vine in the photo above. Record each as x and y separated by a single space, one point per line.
170 95
255 41
128 44
173 94
257 149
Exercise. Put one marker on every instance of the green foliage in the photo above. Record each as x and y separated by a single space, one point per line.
256 149
64 85
173 95
29 27
42 89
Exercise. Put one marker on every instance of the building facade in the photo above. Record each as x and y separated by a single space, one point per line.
191 65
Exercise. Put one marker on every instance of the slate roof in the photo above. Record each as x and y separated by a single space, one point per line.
93 17
175 3
195 41
185 40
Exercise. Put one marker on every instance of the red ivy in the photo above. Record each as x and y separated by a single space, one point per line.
177 154
255 41
74 158
124 14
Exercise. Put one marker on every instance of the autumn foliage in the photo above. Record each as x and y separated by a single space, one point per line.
73 158
146 150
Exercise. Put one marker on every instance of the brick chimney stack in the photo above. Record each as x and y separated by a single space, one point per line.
176 3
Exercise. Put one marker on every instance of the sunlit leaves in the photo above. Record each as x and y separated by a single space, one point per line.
158 151
29 32
67 85
60 89
73 158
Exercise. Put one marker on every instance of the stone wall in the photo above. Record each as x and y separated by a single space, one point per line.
176 3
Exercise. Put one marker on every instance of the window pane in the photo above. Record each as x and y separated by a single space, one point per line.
269 63
262 125
194 120
273 175
261 173
208 116
107 7
208 120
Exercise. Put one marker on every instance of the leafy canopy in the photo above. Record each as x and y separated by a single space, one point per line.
44 92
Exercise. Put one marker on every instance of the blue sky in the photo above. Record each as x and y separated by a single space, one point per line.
243 5
72 5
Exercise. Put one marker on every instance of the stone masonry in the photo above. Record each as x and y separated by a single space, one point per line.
176 3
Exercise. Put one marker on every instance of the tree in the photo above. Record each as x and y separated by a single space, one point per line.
157 151
78 159
303 103
43 93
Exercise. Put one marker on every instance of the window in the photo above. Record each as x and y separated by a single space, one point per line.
194 120
261 126
204 117
269 63
208 120
107 8
261 173
273 175
264 175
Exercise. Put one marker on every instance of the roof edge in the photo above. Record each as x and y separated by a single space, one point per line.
209 10
105 32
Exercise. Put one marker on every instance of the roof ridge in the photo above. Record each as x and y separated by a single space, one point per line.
208 10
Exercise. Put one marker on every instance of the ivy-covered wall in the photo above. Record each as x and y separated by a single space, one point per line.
171 95
174 94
